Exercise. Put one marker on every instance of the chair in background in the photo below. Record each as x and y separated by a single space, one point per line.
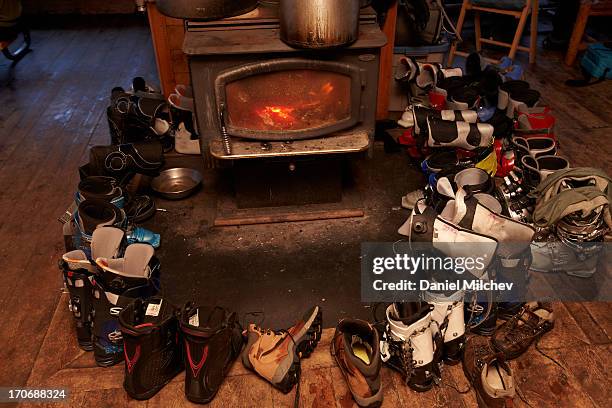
520 9
587 8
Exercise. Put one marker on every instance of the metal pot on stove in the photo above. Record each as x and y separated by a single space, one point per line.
319 23
204 9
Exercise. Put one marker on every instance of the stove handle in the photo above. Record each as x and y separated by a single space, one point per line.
225 137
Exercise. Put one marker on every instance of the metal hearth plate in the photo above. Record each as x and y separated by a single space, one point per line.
336 144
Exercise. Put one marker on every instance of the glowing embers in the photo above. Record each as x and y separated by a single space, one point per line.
292 100
277 116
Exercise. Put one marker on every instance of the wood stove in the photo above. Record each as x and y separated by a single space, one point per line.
257 97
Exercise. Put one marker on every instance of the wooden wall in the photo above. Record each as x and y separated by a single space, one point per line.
168 35
79 6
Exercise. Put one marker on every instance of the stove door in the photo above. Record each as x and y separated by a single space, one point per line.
289 99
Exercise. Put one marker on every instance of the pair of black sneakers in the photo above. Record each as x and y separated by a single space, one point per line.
160 341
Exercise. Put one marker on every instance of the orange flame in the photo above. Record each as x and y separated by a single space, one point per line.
327 88
273 114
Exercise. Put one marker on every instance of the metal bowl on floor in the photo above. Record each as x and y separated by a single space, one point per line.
176 183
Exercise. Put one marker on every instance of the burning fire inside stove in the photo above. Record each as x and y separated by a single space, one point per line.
275 116
289 100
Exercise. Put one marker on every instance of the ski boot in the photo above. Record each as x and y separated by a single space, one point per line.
467 212
536 122
78 270
416 116
213 340
447 312
408 346
468 136
153 354
119 281
516 96
425 225
476 181
275 354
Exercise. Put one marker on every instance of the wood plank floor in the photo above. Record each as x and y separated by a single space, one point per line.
54 110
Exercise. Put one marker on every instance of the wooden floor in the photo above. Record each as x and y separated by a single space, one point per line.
54 110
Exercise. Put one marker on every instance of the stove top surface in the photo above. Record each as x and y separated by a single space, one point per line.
263 15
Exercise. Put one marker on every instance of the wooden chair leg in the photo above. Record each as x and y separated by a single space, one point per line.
577 33
453 49
519 32
534 32
477 32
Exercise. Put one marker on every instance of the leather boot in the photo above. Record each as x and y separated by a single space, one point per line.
356 349
489 374
275 354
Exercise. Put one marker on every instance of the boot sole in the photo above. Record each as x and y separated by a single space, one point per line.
303 349
86 345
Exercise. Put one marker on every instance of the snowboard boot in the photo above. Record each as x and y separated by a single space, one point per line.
275 354
100 188
118 282
356 349
213 340
448 314
468 136
488 373
91 214
153 354
425 225
78 270
408 344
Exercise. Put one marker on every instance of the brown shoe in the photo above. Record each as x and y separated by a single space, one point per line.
356 349
488 373
275 354
515 336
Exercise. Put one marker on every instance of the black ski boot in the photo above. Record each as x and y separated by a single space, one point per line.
118 283
213 340
151 347
78 270
76 279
